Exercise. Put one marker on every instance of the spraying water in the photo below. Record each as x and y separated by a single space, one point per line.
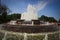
31 14
25 36
32 11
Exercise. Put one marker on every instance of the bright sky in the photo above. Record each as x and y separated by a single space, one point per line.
50 8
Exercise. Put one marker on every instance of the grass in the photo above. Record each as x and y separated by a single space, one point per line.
14 37
36 37
1 35
53 36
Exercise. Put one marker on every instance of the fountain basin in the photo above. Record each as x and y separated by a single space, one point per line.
31 28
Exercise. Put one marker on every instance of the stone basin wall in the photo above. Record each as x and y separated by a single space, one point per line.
30 28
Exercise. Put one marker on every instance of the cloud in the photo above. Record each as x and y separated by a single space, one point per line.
41 5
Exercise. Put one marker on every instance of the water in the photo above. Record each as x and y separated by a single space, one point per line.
25 36
30 14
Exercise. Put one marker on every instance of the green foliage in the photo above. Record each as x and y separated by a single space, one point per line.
0 19
49 19
15 16
4 17
3 13
43 18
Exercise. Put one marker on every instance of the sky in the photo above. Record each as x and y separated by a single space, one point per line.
50 8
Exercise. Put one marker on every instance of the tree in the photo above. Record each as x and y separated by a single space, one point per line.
43 18
4 17
15 16
3 12
49 19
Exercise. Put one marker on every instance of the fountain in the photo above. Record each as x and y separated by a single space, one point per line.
31 14
29 23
